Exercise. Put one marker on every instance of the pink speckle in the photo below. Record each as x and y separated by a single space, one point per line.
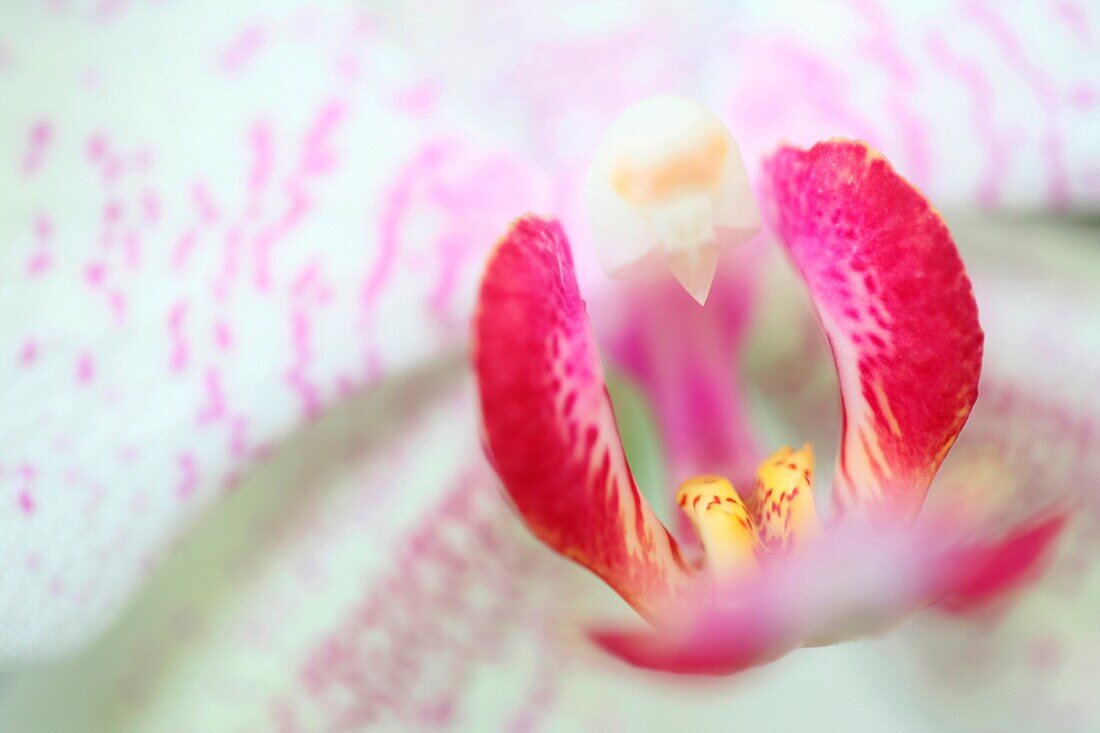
39 263
189 476
177 335
1084 97
1075 18
316 158
419 100
96 147
223 336
215 406
112 211
85 368
26 501
33 562
57 586
131 245
43 228
238 437
263 153
243 49
38 141
204 203
116 301
297 206
150 206
28 354
182 251
95 272
296 377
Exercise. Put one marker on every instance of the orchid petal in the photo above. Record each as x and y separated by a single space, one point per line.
857 580
897 307
989 572
549 429
180 290
686 360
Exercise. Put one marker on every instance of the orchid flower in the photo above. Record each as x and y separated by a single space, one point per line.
241 485
897 308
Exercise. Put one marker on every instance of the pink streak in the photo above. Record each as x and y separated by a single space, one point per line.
296 378
150 206
263 152
182 251
85 368
26 502
238 437
38 142
29 353
177 335
316 158
243 49
215 407
39 263
95 272
27 475
189 476
1076 20
204 203
223 336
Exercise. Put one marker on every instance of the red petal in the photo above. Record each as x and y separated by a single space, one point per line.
897 308
982 575
548 424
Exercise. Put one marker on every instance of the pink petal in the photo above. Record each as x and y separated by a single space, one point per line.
685 358
856 581
548 424
989 572
897 307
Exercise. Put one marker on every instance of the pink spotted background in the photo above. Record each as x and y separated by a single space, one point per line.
240 483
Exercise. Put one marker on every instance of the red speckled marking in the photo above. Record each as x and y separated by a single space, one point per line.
898 310
548 425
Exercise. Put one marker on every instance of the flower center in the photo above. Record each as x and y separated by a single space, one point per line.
775 518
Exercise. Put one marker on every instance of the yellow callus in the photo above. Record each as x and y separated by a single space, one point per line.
783 500
779 516
723 522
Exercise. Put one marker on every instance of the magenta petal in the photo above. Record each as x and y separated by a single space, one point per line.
898 310
980 575
549 429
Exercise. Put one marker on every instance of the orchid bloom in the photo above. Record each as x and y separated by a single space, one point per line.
241 485
896 306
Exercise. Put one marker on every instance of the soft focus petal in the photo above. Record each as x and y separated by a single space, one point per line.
897 307
855 581
686 359
989 572
1032 442
186 281
549 429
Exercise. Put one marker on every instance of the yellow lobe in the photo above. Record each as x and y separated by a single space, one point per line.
723 524
784 512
